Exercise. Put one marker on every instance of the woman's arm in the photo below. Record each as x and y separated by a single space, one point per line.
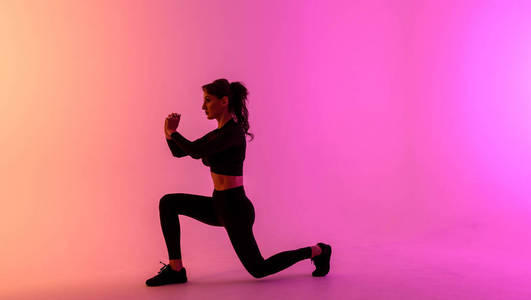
175 150
210 143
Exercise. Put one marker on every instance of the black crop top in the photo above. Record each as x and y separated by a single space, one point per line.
223 149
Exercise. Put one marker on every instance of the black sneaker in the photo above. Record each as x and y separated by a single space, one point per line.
167 275
322 261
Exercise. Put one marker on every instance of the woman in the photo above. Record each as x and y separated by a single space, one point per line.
223 150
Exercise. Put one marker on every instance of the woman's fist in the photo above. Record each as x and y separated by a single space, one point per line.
171 123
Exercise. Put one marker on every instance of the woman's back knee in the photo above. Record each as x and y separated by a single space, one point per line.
257 271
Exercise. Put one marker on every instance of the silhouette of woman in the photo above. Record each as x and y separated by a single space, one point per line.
223 150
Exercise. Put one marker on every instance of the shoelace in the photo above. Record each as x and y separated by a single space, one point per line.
164 267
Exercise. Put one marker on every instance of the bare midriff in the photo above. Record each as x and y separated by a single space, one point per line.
223 182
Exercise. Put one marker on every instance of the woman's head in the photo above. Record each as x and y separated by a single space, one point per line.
221 97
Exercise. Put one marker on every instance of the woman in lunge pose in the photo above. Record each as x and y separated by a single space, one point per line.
223 150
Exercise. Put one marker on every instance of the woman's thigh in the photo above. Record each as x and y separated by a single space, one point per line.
197 207
238 217
245 246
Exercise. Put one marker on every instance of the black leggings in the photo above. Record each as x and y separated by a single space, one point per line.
230 209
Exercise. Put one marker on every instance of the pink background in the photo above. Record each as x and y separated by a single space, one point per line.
375 122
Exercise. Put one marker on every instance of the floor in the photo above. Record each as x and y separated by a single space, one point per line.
386 271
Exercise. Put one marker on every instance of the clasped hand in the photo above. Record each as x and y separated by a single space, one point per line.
171 123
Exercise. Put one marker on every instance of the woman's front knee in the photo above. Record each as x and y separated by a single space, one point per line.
167 201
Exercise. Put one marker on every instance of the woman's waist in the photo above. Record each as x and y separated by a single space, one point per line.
236 189
222 181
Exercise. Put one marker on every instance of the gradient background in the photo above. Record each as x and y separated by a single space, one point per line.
375 122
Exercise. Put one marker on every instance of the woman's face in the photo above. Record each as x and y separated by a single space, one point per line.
214 106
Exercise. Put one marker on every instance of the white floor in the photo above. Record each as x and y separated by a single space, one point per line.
385 271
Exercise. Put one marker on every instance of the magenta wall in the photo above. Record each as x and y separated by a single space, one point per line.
375 122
